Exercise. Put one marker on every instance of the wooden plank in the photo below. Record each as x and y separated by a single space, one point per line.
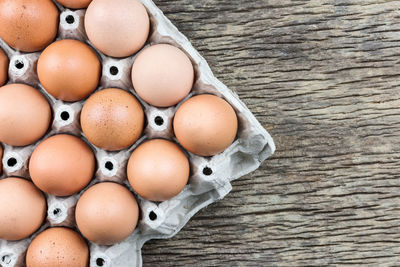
323 77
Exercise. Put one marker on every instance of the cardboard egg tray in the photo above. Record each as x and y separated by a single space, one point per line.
210 176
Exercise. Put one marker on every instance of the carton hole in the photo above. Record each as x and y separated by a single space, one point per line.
70 19
11 162
109 165
114 70
56 211
6 259
64 115
19 64
207 171
158 120
152 216
100 262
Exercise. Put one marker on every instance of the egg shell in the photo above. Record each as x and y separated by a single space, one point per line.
58 247
69 70
162 75
117 28
25 114
112 119
107 213
205 125
75 4
3 67
158 170
62 165
22 208
28 25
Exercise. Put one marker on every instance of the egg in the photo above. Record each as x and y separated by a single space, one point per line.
112 119
22 208
3 67
162 75
117 28
107 213
158 170
58 247
69 70
205 125
62 165
75 4
28 25
25 115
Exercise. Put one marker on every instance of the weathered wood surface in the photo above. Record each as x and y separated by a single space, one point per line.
324 78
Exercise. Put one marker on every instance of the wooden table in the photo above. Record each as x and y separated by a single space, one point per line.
323 77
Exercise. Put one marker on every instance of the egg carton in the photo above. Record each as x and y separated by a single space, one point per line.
210 176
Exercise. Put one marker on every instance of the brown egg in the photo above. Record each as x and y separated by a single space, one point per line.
75 4
69 70
28 25
112 119
117 28
3 67
22 208
25 115
58 247
158 170
62 165
162 75
205 125
107 213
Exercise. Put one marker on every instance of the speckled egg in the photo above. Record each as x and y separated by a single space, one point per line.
28 25
58 247
112 119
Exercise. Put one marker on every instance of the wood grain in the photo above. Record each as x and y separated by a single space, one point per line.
324 78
